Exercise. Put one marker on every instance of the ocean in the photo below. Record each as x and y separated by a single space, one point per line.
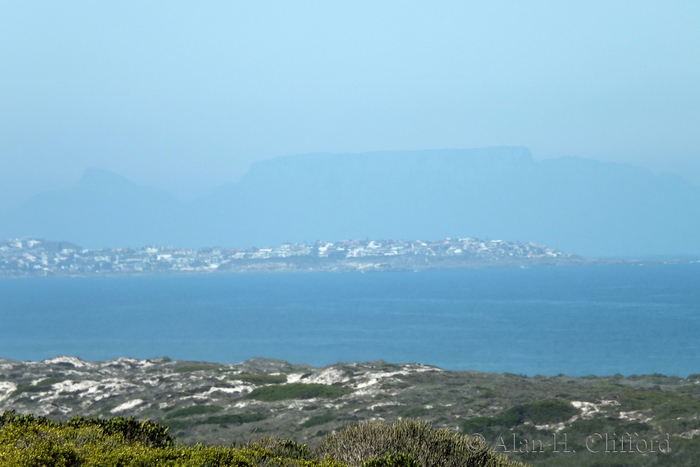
585 320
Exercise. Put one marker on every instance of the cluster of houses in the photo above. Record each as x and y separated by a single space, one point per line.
29 256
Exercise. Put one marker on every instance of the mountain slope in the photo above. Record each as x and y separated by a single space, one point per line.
105 209
576 205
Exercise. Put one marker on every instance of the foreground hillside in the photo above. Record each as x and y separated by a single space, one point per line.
29 441
653 420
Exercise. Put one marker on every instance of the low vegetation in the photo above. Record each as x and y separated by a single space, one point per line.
538 413
259 380
319 419
664 405
280 392
223 420
194 410
217 404
418 443
28 441
42 385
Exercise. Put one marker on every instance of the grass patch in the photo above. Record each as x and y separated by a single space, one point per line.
664 405
319 419
234 419
545 412
195 367
230 419
43 385
280 392
194 410
259 380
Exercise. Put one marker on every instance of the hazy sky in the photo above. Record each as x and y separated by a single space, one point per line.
185 95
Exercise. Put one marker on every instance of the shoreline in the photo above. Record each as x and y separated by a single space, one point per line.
78 362
332 270
269 267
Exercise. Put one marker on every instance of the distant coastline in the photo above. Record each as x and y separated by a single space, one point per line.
31 257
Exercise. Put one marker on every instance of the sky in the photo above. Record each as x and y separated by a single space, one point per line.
186 95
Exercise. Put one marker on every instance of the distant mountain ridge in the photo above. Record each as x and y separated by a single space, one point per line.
577 205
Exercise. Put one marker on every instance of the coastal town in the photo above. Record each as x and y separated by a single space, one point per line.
36 257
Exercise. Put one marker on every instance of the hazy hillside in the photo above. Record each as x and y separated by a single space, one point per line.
576 205
105 209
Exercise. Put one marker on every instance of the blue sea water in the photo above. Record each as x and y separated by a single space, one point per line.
581 320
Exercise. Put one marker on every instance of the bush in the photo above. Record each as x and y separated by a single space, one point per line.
539 413
234 419
280 392
128 430
285 448
481 425
28 441
425 444
399 460
319 419
259 380
661 404
194 410
231 419
145 432
41 386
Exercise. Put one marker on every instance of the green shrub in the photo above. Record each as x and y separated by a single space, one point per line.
539 413
319 419
399 460
481 425
28 441
41 386
128 430
231 419
661 404
11 417
280 392
234 419
429 446
285 448
193 410
144 432
542 413
259 380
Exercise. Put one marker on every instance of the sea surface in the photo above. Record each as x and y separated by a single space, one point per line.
581 320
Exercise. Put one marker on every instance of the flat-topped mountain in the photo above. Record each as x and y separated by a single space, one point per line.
577 205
